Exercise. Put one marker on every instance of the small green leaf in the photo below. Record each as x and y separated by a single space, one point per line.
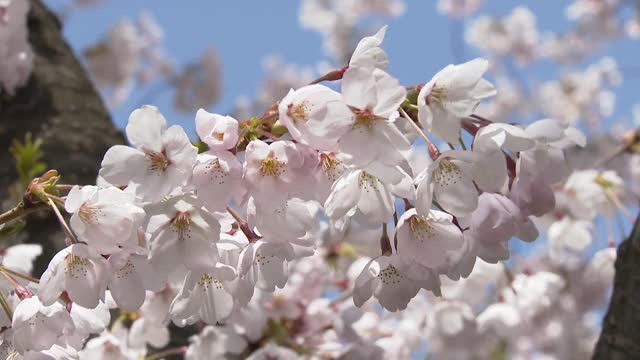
27 156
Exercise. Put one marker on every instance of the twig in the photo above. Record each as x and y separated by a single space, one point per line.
416 127
21 210
162 354
22 276
63 223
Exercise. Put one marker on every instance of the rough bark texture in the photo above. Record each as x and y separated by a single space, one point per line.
620 337
60 105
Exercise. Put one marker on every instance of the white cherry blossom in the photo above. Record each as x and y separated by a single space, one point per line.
87 322
569 237
427 238
79 271
37 327
389 280
182 232
494 222
373 97
362 194
451 181
20 257
217 177
132 275
314 116
104 218
265 264
203 297
268 169
217 131
451 95
368 52
215 340
161 160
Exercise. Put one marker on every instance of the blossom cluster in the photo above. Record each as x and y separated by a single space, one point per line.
350 190
338 21
16 57
131 52
132 55
517 34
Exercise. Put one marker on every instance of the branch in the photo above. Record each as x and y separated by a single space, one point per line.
21 210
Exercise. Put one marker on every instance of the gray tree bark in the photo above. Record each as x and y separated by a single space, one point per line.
620 337
59 104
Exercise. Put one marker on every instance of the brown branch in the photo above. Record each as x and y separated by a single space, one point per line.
20 211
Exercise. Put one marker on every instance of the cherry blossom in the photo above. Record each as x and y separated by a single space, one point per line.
79 271
494 222
217 177
373 97
459 8
362 194
203 297
217 131
268 169
161 160
20 257
15 50
37 327
449 180
264 264
104 218
215 340
388 279
182 232
368 52
132 275
515 34
313 116
425 238
270 238
451 95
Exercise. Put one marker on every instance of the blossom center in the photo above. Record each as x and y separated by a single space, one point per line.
606 184
421 228
365 117
367 182
181 224
88 214
298 112
218 135
271 166
447 173
331 166
158 161
390 275
215 171
76 266
207 281
437 96
110 348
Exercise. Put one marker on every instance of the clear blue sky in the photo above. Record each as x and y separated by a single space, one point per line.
243 32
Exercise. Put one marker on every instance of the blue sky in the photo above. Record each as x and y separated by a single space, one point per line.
244 32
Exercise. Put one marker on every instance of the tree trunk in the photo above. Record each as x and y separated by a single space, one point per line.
60 105
620 337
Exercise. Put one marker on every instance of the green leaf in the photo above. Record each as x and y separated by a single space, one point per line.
28 155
